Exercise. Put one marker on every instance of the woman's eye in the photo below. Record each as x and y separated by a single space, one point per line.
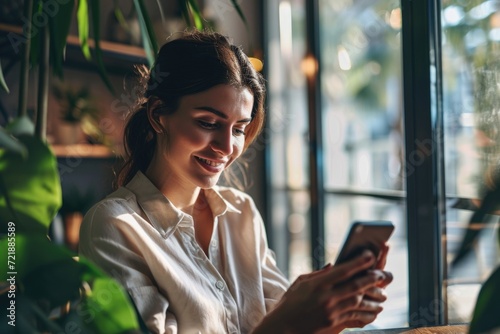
239 132
214 126
207 125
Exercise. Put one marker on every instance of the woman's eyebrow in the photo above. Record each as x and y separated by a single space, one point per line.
221 114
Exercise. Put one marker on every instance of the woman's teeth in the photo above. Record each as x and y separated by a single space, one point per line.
209 162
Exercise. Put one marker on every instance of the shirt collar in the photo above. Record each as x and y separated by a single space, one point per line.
163 215
218 203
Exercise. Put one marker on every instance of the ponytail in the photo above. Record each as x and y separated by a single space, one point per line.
139 142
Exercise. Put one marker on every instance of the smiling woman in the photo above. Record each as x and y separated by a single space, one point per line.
193 255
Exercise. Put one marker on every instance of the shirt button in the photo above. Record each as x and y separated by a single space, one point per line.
219 285
214 244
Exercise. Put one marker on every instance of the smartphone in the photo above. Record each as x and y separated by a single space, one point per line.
365 235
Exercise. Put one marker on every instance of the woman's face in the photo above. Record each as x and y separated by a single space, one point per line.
204 136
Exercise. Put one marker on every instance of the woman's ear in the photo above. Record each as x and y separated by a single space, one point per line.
153 115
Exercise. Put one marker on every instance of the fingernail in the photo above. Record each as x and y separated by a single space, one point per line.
367 256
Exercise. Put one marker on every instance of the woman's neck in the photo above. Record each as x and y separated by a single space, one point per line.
182 196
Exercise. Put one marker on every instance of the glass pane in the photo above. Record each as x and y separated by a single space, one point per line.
341 211
363 131
287 122
471 100
362 93
287 129
299 246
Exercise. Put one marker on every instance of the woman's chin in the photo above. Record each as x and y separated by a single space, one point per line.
208 182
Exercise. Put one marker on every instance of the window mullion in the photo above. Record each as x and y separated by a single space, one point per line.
420 70
311 67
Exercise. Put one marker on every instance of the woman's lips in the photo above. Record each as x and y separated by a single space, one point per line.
212 166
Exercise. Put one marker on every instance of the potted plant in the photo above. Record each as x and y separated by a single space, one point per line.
76 111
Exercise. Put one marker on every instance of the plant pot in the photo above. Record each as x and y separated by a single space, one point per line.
69 133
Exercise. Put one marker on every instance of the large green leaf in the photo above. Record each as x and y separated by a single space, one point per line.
32 252
83 27
486 317
108 308
57 282
44 271
31 185
47 272
10 143
59 24
147 32
22 125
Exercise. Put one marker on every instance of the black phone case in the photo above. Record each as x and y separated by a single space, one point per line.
365 235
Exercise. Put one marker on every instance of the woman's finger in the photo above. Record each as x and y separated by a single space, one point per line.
346 270
354 311
356 319
337 308
387 280
376 294
308 277
353 287
382 256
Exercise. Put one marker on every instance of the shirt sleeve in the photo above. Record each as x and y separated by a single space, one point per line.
274 282
107 239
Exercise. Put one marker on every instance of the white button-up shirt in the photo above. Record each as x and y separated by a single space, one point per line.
138 237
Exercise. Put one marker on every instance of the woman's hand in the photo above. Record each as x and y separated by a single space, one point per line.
330 299
376 294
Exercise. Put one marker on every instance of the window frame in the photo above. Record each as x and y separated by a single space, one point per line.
425 188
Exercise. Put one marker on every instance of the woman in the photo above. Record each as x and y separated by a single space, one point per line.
192 255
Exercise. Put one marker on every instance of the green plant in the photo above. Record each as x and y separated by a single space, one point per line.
76 104
43 277
485 316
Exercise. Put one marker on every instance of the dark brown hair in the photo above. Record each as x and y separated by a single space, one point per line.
189 64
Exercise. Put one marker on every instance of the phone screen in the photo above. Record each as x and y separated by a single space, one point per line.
365 235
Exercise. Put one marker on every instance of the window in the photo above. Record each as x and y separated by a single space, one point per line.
391 147
471 102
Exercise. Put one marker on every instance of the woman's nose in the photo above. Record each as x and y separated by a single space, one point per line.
223 142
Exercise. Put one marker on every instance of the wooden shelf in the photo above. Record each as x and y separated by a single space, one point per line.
453 329
117 57
82 151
